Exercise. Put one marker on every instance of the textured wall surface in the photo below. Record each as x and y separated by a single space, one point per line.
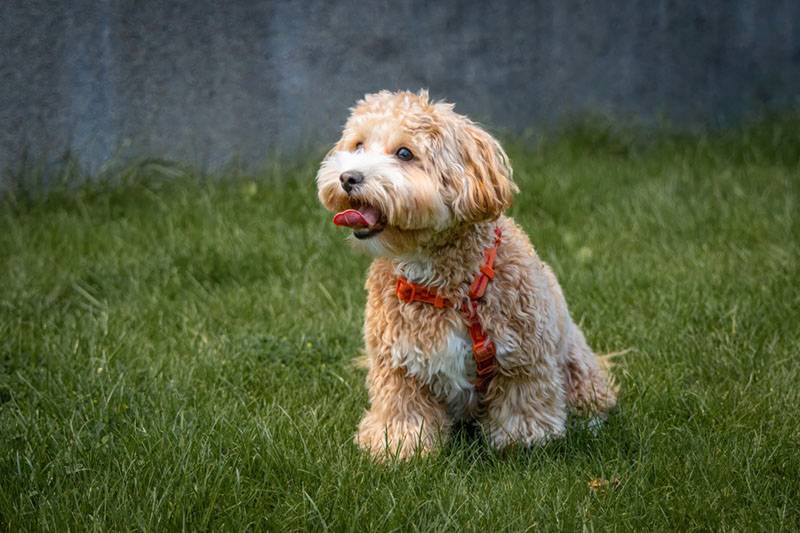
208 82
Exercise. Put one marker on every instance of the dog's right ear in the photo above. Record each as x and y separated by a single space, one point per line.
480 177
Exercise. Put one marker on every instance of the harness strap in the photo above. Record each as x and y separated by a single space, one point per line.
408 291
483 349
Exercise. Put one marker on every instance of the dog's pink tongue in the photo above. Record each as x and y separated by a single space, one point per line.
361 218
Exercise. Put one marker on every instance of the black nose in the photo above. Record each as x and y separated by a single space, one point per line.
351 179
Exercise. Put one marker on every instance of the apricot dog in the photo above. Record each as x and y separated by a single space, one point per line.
424 189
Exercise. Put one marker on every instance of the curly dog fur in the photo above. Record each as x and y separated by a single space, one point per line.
429 217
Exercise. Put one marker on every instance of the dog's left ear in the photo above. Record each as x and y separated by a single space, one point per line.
485 188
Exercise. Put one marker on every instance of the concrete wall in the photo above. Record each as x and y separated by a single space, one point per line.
205 81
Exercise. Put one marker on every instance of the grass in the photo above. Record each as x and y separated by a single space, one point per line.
175 352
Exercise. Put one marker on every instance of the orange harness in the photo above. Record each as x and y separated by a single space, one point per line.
483 349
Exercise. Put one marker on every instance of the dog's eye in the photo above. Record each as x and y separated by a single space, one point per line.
359 146
404 154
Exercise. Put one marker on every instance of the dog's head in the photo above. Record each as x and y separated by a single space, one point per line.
406 168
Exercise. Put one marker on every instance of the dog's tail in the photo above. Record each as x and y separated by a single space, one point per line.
609 360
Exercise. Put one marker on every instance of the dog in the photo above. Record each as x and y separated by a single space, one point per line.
463 320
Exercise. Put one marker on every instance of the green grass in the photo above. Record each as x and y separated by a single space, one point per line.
175 352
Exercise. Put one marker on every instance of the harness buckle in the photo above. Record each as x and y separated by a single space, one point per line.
404 290
478 287
484 350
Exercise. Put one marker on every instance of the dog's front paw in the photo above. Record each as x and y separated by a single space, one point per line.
524 431
395 439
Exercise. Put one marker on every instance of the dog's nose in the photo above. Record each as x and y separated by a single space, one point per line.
350 179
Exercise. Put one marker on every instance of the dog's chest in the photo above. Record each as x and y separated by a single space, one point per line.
446 365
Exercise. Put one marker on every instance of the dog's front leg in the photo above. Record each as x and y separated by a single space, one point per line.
527 409
403 418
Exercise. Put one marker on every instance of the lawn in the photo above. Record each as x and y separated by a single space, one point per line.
175 351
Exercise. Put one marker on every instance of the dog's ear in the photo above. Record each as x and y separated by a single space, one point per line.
484 188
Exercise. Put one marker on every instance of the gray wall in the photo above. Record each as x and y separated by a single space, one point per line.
207 81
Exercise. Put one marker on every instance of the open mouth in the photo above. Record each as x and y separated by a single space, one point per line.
365 221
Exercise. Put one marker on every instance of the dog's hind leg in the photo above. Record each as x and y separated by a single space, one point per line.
590 388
